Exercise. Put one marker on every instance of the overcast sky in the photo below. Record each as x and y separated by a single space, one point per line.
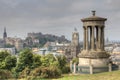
58 17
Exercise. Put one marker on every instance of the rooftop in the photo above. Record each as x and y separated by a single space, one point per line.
94 18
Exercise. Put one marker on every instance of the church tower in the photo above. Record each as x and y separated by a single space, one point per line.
75 37
5 33
75 47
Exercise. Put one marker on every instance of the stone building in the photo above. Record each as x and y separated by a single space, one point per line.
16 42
70 50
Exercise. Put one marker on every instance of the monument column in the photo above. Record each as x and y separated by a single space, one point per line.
93 42
97 45
99 37
84 43
87 38
90 37
102 38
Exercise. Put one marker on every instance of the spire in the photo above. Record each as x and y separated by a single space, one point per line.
75 29
5 33
4 29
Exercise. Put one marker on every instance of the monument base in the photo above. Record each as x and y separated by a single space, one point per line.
93 54
95 61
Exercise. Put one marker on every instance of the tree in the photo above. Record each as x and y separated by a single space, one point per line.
48 60
10 62
45 61
36 61
62 63
75 60
51 58
3 55
25 60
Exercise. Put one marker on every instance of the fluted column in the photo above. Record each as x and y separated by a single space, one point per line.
87 38
93 42
99 37
90 37
84 35
97 45
102 38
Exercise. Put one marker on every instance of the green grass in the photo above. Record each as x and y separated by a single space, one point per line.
114 75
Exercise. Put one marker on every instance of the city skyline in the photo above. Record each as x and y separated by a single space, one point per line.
58 17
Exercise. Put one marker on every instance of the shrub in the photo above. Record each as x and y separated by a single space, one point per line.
75 60
5 74
46 72
36 72
66 69
24 73
54 72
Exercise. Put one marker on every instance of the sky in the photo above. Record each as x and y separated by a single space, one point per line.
57 17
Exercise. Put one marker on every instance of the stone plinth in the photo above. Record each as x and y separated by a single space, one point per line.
99 65
99 60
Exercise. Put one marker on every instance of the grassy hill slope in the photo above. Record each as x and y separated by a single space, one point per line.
114 75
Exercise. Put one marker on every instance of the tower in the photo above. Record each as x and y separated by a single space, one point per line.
75 47
75 37
5 33
93 53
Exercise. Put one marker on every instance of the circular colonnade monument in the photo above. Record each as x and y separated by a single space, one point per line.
93 53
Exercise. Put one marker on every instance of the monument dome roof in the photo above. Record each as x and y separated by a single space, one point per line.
94 18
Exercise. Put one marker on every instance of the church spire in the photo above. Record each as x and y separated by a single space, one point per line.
5 33
75 29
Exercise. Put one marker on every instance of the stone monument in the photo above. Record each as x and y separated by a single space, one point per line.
93 56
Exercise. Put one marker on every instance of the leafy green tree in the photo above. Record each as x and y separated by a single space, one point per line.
10 62
51 58
36 61
3 55
62 62
75 60
45 61
48 60
25 60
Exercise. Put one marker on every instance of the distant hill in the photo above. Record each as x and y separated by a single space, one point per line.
35 39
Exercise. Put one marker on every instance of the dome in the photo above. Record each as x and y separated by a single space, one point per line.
116 50
94 18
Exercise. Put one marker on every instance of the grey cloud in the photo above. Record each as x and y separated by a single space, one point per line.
54 16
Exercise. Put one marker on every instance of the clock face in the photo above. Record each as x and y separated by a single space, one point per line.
75 35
